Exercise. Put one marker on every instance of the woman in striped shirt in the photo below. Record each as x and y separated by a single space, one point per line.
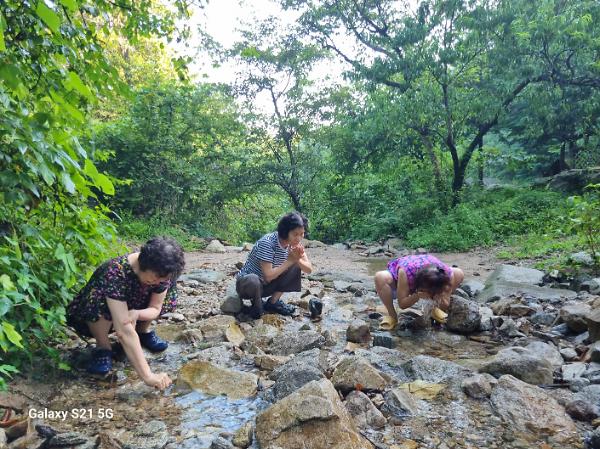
274 266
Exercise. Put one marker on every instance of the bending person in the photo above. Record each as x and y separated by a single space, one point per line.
415 277
125 294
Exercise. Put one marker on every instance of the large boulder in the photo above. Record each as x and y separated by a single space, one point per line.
509 280
547 351
522 363
207 378
463 316
432 369
311 418
290 377
575 316
362 410
203 276
356 371
575 180
293 342
531 412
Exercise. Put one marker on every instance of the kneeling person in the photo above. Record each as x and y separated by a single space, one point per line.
274 266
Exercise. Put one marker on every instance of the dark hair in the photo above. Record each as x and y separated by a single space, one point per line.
163 256
291 221
432 278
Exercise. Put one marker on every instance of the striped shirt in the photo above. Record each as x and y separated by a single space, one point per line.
266 249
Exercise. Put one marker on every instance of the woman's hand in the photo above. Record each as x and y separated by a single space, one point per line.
132 317
158 380
295 253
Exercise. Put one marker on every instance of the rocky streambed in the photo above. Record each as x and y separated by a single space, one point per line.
517 365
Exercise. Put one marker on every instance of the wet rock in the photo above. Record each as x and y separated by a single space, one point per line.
214 329
569 354
358 332
431 369
472 287
486 319
292 342
174 316
585 405
314 358
363 412
67 439
221 443
210 379
383 339
232 302
190 336
547 351
400 403
479 386
243 436
292 377
593 324
261 336
521 363
463 316
311 418
148 435
528 409
543 318
353 371
215 246
221 355
574 316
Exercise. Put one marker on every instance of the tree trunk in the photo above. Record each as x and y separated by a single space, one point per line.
480 165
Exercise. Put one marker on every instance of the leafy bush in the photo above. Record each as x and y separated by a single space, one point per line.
584 220
489 217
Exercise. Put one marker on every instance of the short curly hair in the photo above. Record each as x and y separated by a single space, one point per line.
163 256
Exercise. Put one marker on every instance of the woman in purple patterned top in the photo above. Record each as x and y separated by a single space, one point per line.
411 278
125 294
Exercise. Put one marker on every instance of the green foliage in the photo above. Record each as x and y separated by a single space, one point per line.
487 218
584 220
52 228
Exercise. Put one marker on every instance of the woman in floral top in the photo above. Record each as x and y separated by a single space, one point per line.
411 278
125 294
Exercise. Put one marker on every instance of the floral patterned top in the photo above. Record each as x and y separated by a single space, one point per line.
412 264
115 279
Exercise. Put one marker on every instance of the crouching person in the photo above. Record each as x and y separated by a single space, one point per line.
274 266
124 295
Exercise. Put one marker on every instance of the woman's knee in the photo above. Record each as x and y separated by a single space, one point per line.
383 278
459 276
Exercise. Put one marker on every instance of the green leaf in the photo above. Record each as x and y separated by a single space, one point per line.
104 183
71 5
74 82
2 44
67 182
7 284
49 17
5 306
13 336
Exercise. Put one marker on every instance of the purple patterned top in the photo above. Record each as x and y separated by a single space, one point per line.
412 264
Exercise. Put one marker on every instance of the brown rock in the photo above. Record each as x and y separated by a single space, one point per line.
210 379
